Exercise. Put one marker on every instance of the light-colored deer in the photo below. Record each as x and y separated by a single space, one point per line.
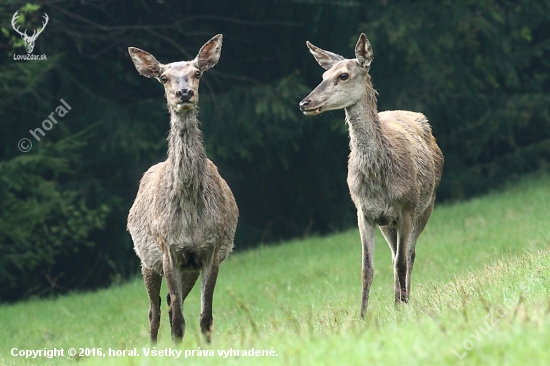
29 40
184 217
394 166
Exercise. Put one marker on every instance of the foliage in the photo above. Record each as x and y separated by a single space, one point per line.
478 70
42 220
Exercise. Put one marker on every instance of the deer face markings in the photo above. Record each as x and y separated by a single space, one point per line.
181 85
180 79
343 81
342 86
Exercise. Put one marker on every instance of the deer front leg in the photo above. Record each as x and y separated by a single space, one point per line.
174 298
366 230
401 259
209 277
153 281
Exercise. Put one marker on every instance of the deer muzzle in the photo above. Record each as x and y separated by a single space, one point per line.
306 107
184 95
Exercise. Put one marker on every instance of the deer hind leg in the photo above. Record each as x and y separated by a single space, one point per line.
401 259
209 277
390 234
174 297
366 230
398 261
418 227
188 280
153 281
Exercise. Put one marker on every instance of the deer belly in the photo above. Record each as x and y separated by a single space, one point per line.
193 259
193 250
379 213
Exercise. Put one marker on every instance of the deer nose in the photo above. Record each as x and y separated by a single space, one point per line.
304 103
185 94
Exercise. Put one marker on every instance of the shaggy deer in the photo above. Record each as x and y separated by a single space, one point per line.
184 217
394 166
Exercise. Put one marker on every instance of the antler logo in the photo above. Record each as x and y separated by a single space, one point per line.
29 40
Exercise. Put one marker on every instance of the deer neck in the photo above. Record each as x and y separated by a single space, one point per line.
186 154
366 138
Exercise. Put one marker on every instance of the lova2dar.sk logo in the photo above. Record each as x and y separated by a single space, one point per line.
29 40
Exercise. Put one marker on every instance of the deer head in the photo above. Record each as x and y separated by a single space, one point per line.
180 79
344 81
29 40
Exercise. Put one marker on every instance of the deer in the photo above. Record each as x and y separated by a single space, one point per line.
394 166
184 217
29 40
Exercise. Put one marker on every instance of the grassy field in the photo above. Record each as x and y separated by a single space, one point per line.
480 297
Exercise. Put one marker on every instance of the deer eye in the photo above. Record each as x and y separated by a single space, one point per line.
344 76
198 74
163 79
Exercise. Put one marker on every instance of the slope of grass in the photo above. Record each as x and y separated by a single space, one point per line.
479 296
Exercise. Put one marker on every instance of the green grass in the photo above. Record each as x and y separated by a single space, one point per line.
480 296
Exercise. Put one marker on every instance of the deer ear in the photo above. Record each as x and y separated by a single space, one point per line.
145 63
209 54
363 51
324 58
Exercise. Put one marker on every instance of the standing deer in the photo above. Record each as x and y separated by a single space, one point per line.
184 217
29 40
394 166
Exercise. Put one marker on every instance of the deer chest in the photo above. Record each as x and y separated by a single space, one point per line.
373 198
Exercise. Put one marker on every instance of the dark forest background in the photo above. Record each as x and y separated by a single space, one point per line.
478 69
